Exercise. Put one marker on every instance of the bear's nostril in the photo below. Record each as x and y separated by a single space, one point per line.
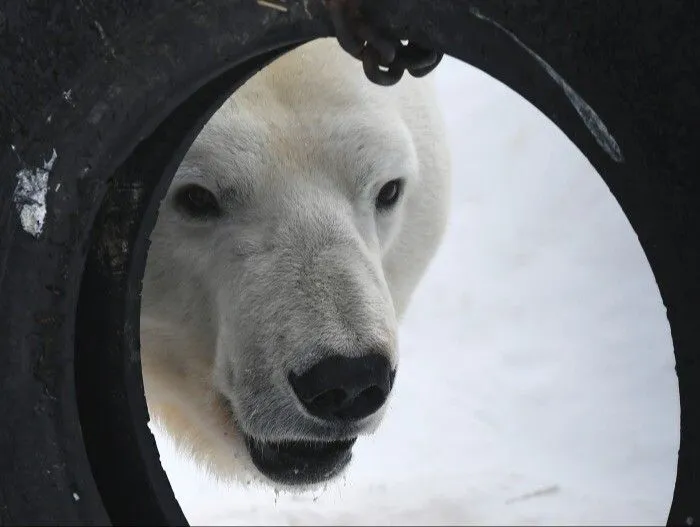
328 401
343 388
365 403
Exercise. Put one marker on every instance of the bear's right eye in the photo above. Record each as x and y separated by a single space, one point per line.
197 202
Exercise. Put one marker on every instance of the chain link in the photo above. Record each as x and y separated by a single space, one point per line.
384 58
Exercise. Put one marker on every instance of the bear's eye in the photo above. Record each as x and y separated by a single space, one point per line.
389 194
197 202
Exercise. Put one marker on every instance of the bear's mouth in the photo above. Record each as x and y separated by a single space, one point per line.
300 462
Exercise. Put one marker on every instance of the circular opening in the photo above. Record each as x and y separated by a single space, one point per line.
529 387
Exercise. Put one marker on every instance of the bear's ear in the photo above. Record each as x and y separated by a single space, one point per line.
195 201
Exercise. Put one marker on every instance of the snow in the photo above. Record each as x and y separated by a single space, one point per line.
537 381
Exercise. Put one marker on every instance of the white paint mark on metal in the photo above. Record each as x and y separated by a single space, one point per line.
104 38
306 9
589 117
273 5
14 151
30 196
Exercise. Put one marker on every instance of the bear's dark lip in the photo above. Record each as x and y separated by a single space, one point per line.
300 462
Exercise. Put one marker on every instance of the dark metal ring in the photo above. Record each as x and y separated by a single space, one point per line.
384 58
371 65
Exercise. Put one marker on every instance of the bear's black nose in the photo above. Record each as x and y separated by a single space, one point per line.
344 388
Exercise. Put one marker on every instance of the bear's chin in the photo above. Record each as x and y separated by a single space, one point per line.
297 463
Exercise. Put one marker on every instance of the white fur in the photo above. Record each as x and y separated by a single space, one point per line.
301 264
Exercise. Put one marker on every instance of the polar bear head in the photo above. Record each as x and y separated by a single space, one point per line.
287 247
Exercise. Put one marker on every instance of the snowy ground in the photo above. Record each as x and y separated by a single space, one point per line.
536 382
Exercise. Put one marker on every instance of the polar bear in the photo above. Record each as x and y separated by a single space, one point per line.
285 252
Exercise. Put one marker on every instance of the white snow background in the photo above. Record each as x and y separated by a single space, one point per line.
536 382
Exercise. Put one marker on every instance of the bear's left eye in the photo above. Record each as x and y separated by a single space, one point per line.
389 194
197 202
